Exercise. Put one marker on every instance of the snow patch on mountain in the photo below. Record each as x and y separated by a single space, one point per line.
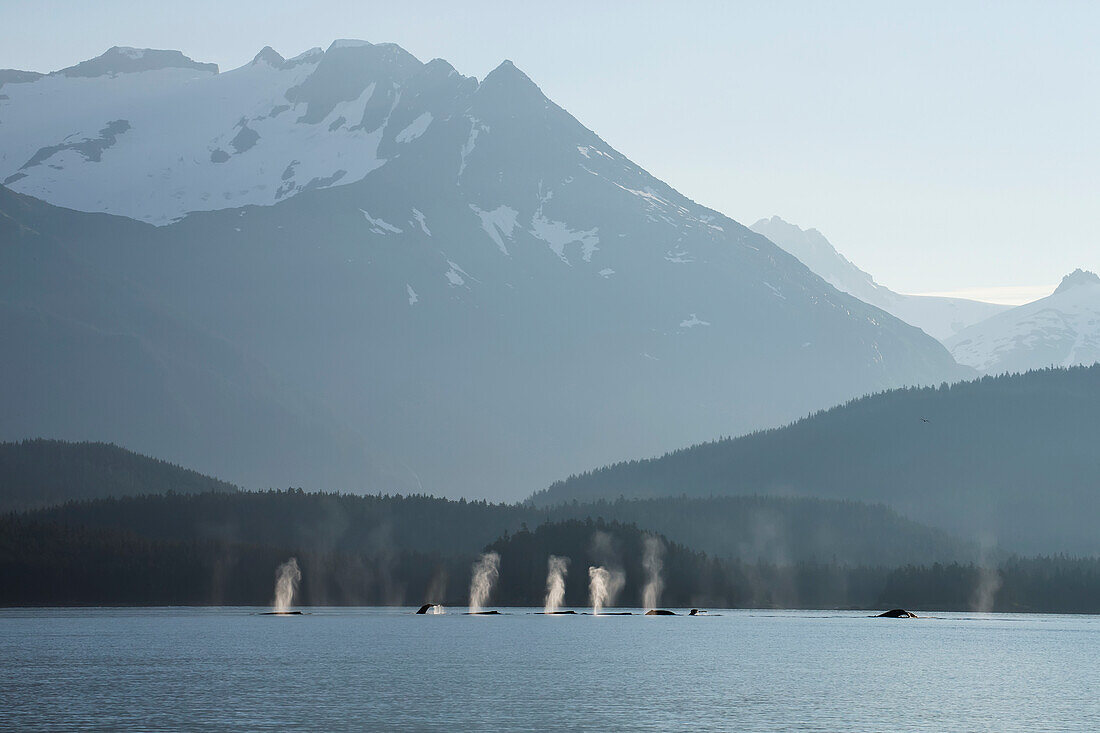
422 221
476 128
456 276
559 235
378 225
415 129
589 150
692 321
779 293
498 223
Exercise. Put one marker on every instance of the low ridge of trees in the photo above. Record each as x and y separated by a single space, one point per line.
775 529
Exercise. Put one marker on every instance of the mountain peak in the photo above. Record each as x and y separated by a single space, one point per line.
779 223
346 70
507 72
347 43
269 56
508 77
15 76
125 60
1077 278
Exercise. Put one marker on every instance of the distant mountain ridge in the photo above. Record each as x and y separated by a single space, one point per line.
1062 329
126 60
939 317
468 291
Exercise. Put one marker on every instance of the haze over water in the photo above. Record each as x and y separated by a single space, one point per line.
357 669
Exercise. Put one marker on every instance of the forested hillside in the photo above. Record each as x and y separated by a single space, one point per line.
1009 460
36 473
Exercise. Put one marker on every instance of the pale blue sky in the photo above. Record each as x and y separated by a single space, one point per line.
940 146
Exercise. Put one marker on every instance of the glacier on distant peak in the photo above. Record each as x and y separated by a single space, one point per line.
1062 329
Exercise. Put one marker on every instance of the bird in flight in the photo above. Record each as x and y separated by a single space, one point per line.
924 419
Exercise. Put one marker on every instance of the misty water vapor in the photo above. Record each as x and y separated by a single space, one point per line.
557 567
287 577
989 578
603 586
653 562
486 571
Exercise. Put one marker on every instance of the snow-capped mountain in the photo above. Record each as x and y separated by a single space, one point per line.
153 135
938 317
1062 329
484 291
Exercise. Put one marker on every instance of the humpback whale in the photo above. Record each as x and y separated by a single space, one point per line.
897 613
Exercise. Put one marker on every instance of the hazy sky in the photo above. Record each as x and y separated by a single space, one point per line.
940 146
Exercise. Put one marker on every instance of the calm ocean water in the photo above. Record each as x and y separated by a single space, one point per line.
386 669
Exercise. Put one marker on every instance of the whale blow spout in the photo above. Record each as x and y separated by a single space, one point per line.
555 583
603 586
653 562
287 578
485 574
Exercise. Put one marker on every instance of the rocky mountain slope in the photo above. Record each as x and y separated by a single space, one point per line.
486 293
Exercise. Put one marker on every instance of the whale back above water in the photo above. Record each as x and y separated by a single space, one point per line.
897 613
